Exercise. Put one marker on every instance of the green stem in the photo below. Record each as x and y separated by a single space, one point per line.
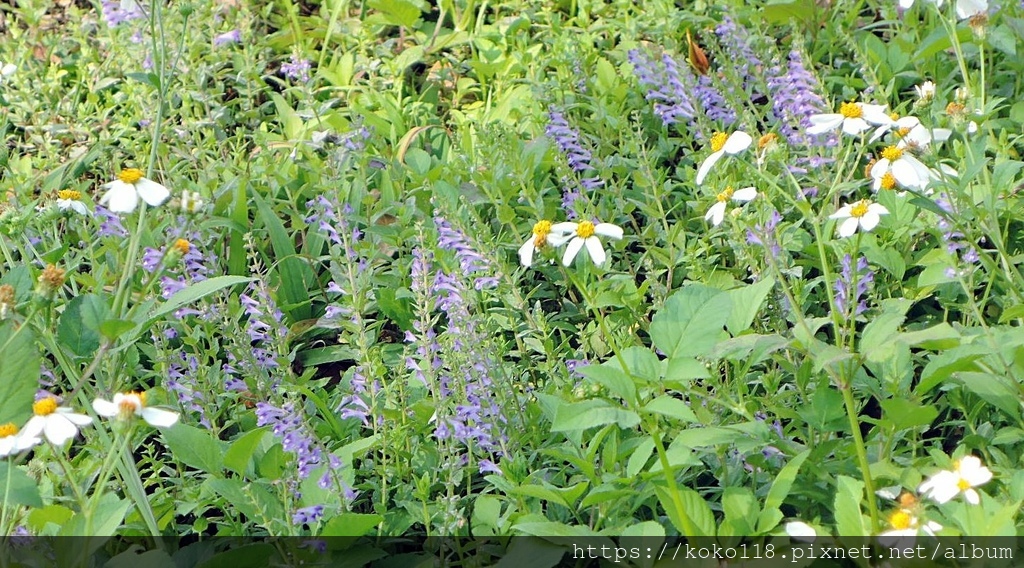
101 481
862 454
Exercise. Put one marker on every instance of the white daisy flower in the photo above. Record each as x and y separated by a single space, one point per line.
71 199
191 201
722 144
903 124
921 136
585 233
57 423
854 118
905 523
11 442
130 404
967 474
717 211
123 194
540 238
863 214
907 169
925 91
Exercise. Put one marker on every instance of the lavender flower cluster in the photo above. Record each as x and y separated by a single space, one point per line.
736 44
962 252
289 426
117 12
568 141
470 261
794 94
266 331
852 285
664 84
181 380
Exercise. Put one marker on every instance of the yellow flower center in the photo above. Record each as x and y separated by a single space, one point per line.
585 230
540 233
8 430
130 175
894 116
851 110
69 194
955 109
901 520
892 153
901 132
888 181
726 194
44 407
860 209
182 246
718 141
767 140
963 484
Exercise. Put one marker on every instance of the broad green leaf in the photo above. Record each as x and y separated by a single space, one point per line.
691 321
555 529
256 555
642 363
876 341
694 518
741 510
397 12
195 447
610 376
849 520
19 372
19 487
591 414
671 407
295 274
56 515
639 458
746 302
531 551
194 292
941 366
826 411
351 524
133 558
770 514
238 458
79 325
994 390
905 414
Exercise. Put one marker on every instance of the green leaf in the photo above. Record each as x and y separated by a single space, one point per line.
994 390
114 328
50 514
398 310
741 511
556 529
904 414
238 458
194 292
295 274
255 555
397 12
195 447
351 524
694 519
610 376
531 551
941 366
770 514
590 414
691 321
131 558
21 489
79 325
826 410
19 372
849 520
671 407
746 302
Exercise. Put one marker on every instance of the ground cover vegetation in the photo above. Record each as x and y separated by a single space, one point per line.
511 268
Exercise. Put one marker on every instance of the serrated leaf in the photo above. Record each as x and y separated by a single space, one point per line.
671 407
849 520
351 524
19 372
746 302
195 447
79 326
690 322
610 376
18 486
590 414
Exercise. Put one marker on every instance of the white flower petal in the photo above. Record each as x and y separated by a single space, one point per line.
880 168
737 142
870 220
879 132
105 408
563 228
716 213
34 427
972 496
120 197
822 123
875 114
159 418
745 194
58 429
848 227
905 173
595 250
799 530
77 419
152 192
877 209
854 126
608 230
705 166
967 8
572 250
844 212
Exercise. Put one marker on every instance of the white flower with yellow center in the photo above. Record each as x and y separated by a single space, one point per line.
863 214
854 118
901 125
967 474
585 233
920 137
191 201
908 170
128 405
12 443
925 91
722 144
123 194
905 523
57 423
71 199
717 211
540 238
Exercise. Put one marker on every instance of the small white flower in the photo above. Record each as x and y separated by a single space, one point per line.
925 91
905 523
71 199
123 194
130 404
967 474
722 144
799 530
12 442
6 70
907 169
191 201
854 118
921 136
58 424
540 238
901 125
585 233
863 213
717 211
969 8
972 127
